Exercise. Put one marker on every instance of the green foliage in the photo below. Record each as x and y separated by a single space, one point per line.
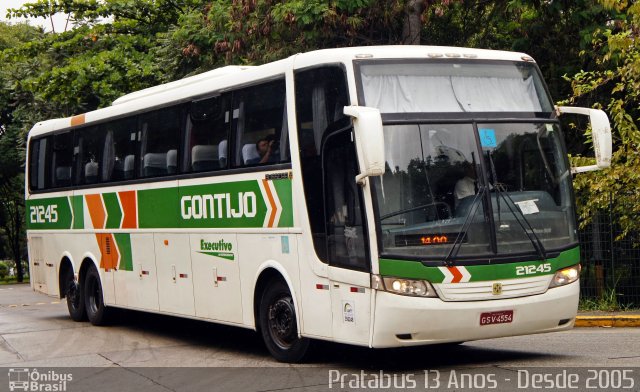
4 270
224 32
614 85
48 75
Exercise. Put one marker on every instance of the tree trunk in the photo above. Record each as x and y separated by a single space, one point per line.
17 256
12 212
412 22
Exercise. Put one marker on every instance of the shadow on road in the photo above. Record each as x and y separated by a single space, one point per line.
243 341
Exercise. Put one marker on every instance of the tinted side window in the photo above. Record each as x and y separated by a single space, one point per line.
39 164
89 148
207 135
160 139
321 95
61 159
346 232
259 124
120 148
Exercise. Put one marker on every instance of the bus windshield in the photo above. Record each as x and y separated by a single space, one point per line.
481 188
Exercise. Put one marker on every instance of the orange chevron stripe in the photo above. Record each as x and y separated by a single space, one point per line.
96 211
109 254
457 275
128 201
274 208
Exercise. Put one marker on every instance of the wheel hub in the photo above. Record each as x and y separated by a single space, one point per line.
282 321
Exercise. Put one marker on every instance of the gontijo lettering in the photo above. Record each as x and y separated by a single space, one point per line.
218 205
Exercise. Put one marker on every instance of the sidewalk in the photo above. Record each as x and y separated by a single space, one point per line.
608 319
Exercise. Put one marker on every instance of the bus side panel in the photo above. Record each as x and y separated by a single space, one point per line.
175 277
315 296
51 251
216 277
136 279
259 249
36 263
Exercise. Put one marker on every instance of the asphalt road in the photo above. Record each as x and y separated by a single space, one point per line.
150 352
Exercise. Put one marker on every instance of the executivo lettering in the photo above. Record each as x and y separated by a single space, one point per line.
218 206
220 245
220 249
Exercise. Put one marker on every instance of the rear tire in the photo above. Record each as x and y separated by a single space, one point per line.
97 312
278 324
75 298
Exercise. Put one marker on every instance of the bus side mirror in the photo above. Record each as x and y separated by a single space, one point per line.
367 125
600 133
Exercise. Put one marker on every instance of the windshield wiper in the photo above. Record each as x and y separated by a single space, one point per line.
455 248
535 241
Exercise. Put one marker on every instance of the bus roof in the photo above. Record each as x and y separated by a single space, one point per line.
205 83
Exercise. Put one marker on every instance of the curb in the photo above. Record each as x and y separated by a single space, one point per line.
608 321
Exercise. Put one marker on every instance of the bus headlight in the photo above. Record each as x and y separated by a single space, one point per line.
565 276
415 288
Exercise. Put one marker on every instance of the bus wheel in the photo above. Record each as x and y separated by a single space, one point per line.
97 312
75 300
278 324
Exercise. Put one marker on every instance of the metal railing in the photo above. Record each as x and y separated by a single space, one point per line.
610 266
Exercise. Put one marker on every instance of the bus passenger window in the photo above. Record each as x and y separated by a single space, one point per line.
260 124
62 155
38 164
119 150
206 135
159 142
90 143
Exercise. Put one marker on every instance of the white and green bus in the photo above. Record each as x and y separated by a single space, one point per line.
376 196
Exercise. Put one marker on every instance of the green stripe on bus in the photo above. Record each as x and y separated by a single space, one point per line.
157 208
238 204
222 255
114 213
283 188
77 203
417 270
123 240
226 205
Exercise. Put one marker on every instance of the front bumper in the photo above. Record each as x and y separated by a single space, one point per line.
409 321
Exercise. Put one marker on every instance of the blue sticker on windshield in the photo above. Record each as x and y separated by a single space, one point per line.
488 138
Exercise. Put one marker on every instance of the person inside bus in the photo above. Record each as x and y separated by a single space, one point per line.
466 186
267 150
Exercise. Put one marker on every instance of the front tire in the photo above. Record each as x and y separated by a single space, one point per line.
278 324
75 298
97 312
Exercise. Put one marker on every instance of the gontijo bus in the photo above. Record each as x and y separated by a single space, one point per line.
377 196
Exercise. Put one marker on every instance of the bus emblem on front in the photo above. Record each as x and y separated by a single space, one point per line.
497 288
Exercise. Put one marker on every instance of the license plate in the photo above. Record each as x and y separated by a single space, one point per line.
502 317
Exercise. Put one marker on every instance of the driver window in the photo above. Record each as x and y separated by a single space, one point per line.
344 213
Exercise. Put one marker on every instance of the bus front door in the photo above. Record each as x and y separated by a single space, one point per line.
346 241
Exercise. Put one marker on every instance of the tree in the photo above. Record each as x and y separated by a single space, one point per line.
211 34
12 221
48 75
614 85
